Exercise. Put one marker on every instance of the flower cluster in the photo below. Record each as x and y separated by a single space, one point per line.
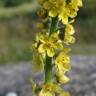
63 8
50 49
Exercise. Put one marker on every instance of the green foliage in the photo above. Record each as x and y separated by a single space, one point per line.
89 6
23 9
11 3
15 52
87 49
86 31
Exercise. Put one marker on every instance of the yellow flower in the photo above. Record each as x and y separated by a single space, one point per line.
80 3
70 10
37 39
66 12
47 90
42 13
69 39
51 87
48 87
61 78
33 86
69 31
34 45
40 25
63 16
37 61
54 6
62 61
77 3
45 93
49 44
63 8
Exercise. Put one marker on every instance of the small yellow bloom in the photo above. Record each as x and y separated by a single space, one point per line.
63 15
37 39
47 90
66 12
45 93
42 13
48 87
37 61
33 86
54 6
40 25
69 31
69 39
63 61
34 45
80 3
61 78
75 4
51 88
49 44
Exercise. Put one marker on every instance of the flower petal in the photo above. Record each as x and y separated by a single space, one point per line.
50 52
52 13
42 48
61 78
59 45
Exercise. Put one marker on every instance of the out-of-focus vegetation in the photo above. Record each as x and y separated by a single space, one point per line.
86 22
18 25
12 3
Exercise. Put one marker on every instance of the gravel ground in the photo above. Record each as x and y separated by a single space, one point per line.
14 77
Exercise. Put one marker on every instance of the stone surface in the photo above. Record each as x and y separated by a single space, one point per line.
15 77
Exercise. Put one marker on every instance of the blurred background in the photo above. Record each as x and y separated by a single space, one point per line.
18 26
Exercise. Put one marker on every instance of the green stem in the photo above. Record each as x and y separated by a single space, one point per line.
53 25
48 62
48 69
